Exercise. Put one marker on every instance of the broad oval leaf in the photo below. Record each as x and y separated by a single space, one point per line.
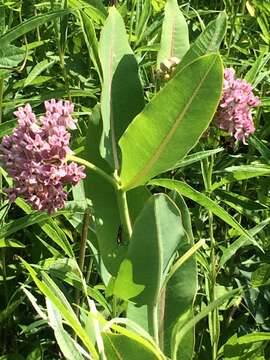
159 231
120 83
172 123
174 38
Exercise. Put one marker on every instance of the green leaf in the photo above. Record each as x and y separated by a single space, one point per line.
138 314
7 127
35 354
23 222
198 156
209 41
91 40
159 229
261 276
240 242
241 172
102 195
48 225
143 14
120 347
240 201
36 100
6 313
30 24
136 199
182 327
187 191
180 293
120 82
254 337
11 243
174 37
11 56
235 350
260 146
37 70
94 9
256 68
50 290
63 339
157 137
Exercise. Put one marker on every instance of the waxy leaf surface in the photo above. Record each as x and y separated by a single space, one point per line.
174 38
172 123
122 96
156 236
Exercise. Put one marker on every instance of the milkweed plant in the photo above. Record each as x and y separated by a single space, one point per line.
136 219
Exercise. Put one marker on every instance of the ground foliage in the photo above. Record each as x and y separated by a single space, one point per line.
49 49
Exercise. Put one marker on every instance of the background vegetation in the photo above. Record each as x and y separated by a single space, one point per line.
49 49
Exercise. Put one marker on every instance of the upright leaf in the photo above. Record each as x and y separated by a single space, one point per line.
144 9
209 41
256 68
180 293
103 197
159 230
172 123
122 96
63 339
174 37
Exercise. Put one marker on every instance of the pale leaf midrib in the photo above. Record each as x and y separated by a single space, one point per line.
148 166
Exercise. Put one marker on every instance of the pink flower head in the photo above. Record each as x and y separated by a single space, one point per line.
234 111
34 155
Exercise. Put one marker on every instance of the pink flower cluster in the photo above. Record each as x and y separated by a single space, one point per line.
234 111
35 156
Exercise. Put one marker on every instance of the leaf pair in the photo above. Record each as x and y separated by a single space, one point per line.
155 140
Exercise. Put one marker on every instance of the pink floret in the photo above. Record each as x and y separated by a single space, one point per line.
34 155
234 111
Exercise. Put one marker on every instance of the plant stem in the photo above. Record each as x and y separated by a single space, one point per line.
61 53
86 220
213 275
207 170
235 12
124 214
1 98
89 270
120 194
94 168
152 312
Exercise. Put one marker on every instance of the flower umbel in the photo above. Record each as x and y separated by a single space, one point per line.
35 156
234 111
